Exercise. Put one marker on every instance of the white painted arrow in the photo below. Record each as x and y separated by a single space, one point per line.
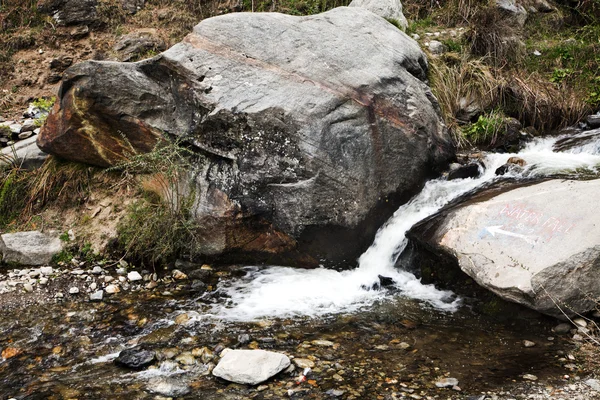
497 229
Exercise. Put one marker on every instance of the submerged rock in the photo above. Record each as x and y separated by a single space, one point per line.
250 366
536 245
304 148
29 248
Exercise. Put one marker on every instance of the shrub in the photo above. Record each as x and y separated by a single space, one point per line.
487 128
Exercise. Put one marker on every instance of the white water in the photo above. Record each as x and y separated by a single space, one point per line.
285 292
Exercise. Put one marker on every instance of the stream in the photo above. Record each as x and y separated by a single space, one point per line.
363 341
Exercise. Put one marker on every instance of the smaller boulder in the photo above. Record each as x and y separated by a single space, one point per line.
138 44
29 248
250 366
593 121
436 47
464 171
388 9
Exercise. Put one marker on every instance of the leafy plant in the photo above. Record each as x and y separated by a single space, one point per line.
486 129
44 104
560 74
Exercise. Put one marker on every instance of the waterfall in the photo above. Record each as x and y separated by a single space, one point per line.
284 292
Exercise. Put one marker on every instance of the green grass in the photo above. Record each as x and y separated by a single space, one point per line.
486 129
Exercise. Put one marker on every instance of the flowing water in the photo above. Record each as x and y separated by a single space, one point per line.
284 292
365 341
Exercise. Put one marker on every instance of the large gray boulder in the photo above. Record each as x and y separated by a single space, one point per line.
250 366
388 9
310 130
537 245
29 248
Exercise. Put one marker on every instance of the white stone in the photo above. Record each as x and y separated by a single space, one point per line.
97 296
250 366
29 248
134 276
446 382
74 290
43 281
111 289
46 270
28 287
388 9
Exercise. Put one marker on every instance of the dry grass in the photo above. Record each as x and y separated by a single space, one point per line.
468 81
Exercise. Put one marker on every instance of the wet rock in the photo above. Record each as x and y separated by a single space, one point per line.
250 366
465 171
528 343
335 392
530 377
185 358
29 248
168 386
446 382
593 121
200 274
534 245
136 358
366 125
388 9
198 286
322 343
177 274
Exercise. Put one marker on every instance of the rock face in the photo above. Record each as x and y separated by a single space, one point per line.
250 366
534 245
29 248
388 9
306 146
70 12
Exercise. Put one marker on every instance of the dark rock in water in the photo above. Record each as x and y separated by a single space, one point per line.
136 358
199 274
385 281
305 148
593 121
513 165
465 171
579 139
198 286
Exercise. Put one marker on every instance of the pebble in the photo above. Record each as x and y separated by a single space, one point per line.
177 274
446 383
74 290
111 289
97 296
34 273
46 270
303 363
324 343
97 270
528 343
28 287
580 322
134 276
108 278
77 272
43 281
561 328
530 377
93 286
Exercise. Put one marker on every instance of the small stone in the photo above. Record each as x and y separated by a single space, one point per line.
93 286
43 281
97 296
46 270
537 53
134 276
250 366
59 295
182 319
262 387
323 343
10 352
135 358
561 328
580 322
530 377
206 267
446 382
335 392
528 343
108 278
594 384
177 274
28 287
577 337
151 285
185 358
25 135
74 290
303 363
111 289
97 270
404 345
34 273
122 279
77 272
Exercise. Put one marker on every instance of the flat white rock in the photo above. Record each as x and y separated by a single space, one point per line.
250 366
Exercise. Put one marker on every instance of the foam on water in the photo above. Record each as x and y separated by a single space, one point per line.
284 291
